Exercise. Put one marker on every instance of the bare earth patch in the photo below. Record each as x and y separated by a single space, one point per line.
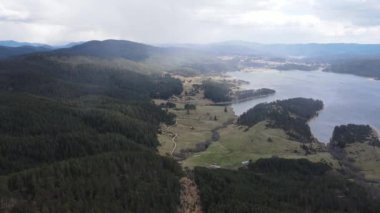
190 198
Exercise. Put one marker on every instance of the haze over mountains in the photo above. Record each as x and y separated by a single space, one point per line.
190 106
341 58
14 48
113 49
117 48
311 50
6 52
81 130
11 43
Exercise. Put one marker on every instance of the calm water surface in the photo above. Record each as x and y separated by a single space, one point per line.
347 98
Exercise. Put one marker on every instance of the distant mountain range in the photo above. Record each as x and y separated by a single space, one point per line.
12 48
11 43
148 57
101 49
6 52
312 50
80 133
138 51
359 59
113 49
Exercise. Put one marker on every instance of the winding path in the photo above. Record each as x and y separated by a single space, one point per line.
175 144
175 135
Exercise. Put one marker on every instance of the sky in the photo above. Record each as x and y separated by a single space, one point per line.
191 21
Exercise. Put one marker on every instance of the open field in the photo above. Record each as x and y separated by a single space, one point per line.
196 126
366 158
237 145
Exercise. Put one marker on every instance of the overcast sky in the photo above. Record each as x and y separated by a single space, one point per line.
191 21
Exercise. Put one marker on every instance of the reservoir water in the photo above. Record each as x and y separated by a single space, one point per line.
346 98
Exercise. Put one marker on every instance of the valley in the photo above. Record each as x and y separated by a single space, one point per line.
236 146
126 127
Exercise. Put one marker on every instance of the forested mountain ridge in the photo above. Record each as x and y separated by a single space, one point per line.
93 125
78 133
113 49
367 67
6 52
55 77
37 130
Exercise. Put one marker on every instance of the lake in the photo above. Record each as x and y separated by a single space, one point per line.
346 98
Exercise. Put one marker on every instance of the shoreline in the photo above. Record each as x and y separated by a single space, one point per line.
321 69
240 100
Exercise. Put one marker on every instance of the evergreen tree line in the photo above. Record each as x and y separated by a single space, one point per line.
352 133
216 91
281 185
48 76
291 115
111 182
79 137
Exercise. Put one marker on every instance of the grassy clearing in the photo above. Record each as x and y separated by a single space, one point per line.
237 145
366 158
195 127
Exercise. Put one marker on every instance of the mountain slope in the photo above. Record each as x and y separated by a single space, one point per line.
112 49
81 137
11 43
60 78
6 52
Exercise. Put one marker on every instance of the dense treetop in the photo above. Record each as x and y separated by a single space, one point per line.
78 133
216 91
280 185
352 133
47 76
112 182
291 115
80 136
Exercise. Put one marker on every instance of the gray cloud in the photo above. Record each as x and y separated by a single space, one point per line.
356 12
195 21
7 14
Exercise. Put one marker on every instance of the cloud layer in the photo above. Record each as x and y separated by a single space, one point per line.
191 21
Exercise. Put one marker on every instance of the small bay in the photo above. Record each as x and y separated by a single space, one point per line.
346 98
